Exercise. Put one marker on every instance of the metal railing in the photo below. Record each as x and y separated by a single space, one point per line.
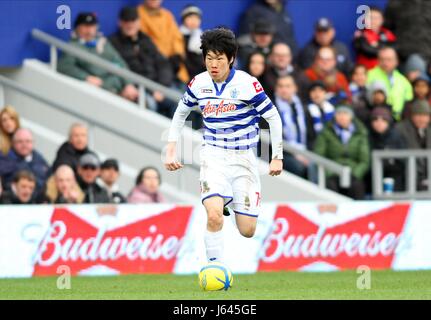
142 82
378 156
322 163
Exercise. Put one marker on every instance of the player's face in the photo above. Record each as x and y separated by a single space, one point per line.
217 65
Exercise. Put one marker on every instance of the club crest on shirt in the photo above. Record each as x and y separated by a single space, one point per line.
234 93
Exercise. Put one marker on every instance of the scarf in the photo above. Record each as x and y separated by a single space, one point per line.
344 134
320 115
293 119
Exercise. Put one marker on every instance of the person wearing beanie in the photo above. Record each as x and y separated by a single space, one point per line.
345 141
416 131
191 18
382 135
87 37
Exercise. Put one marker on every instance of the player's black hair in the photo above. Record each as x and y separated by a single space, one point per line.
142 173
219 40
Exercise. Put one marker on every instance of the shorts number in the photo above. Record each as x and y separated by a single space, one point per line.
257 198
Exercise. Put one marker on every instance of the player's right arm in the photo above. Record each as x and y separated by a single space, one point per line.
185 106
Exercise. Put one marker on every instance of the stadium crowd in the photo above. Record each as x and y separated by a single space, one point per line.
337 106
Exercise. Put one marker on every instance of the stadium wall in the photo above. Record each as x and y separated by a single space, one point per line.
17 18
166 238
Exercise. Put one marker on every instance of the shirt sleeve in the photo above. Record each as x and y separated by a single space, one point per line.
185 106
266 109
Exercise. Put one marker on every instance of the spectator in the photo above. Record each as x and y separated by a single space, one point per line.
368 41
256 67
398 88
142 57
22 156
376 97
320 111
384 136
62 187
109 174
293 118
345 141
88 171
70 151
325 69
280 64
410 23
358 86
86 37
146 188
191 29
415 67
9 123
275 11
22 189
259 39
324 36
421 91
160 25
416 131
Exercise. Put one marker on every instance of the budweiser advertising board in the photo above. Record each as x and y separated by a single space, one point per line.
109 240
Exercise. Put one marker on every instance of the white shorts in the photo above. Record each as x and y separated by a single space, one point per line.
232 175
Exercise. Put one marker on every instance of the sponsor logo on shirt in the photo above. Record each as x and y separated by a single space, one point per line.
257 86
207 90
214 109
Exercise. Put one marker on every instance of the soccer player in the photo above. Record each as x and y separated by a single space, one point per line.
231 102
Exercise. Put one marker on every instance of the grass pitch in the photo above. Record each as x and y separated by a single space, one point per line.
273 285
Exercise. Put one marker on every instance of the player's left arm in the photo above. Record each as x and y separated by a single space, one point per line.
268 111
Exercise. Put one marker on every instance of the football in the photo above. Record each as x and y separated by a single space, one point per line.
215 276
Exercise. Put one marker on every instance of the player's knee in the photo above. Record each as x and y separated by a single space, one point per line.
248 231
215 219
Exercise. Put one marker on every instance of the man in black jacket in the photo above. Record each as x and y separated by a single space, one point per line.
22 190
88 171
70 151
141 55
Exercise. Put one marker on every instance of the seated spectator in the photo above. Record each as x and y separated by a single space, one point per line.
280 64
345 141
9 123
398 88
324 36
320 111
142 57
325 69
146 188
369 40
191 18
293 118
62 187
88 171
421 91
415 67
416 131
256 66
276 12
86 37
160 25
259 39
383 136
22 189
22 156
376 97
358 86
109 174
70 151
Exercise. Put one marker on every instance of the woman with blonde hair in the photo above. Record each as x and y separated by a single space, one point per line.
9 123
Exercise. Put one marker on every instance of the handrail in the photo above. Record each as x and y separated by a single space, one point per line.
17 87
411 155
101 63
322 163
